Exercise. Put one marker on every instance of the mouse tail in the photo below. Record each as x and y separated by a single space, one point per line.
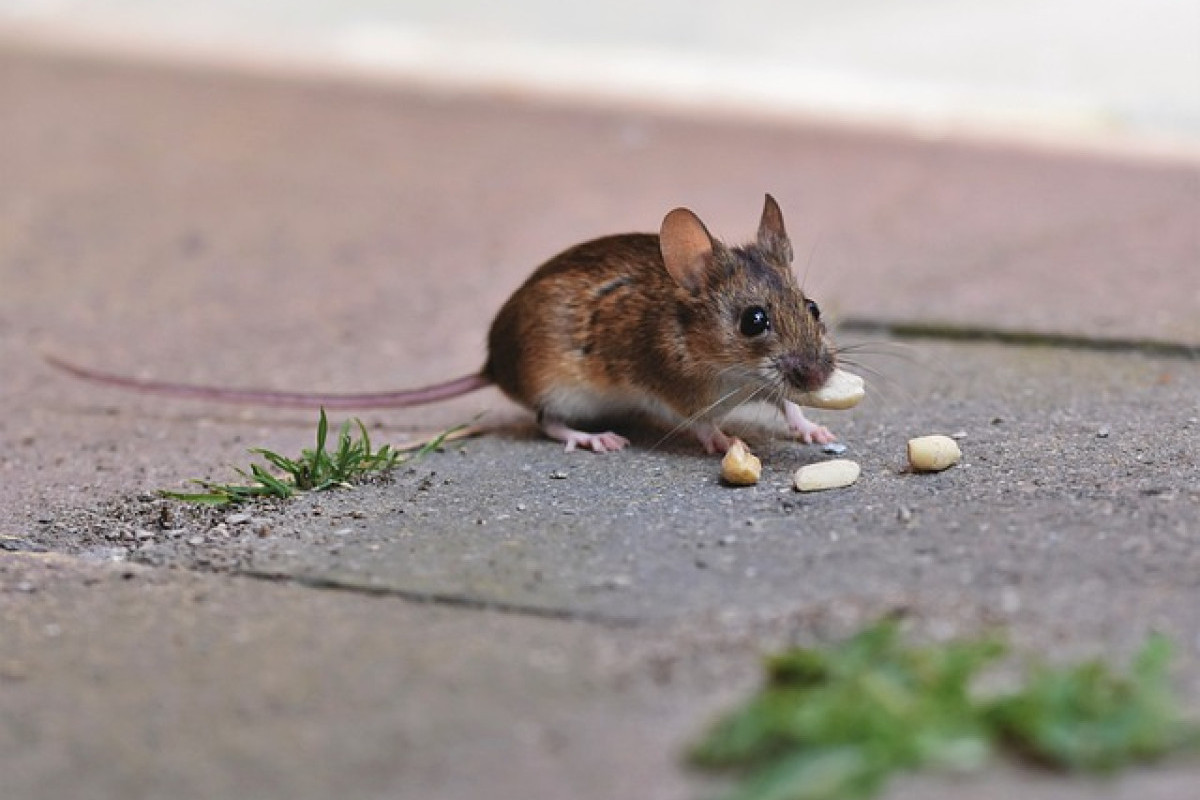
269 397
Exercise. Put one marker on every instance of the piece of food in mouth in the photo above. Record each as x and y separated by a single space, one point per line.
843 390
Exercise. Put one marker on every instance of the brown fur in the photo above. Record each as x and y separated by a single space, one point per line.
613 317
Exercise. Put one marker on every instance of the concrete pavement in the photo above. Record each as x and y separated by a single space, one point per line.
481 624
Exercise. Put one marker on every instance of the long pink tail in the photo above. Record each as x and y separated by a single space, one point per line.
269 397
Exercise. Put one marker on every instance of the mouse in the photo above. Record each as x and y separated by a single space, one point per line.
675 325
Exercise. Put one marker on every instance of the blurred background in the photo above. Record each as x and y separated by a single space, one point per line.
1125 70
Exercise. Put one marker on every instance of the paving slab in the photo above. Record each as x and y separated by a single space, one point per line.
478 618
505 614
1066 509
192 185
118 682
122 681
1058 488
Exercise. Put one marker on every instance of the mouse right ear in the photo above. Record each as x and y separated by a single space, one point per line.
772 236
687 249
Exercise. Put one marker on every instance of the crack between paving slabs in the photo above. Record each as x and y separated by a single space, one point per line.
952 332
436 598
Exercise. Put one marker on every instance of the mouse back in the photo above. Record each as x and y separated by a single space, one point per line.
576 324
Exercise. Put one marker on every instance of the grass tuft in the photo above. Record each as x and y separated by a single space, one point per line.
352 459
833 723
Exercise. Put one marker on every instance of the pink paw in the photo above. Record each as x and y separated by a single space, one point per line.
805 430
816 434
712 437
596 442
607 442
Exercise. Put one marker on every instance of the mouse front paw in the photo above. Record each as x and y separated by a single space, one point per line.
713 439
815 434
805 429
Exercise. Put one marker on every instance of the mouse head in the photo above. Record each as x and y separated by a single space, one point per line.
742 309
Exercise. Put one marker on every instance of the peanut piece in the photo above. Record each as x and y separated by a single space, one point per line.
740 467
933 453
832 474
843 390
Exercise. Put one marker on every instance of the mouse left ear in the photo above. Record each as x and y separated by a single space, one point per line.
772 236
687 249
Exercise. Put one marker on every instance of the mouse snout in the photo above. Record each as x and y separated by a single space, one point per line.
806 373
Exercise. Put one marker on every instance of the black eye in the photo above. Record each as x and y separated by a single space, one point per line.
754 321
813 309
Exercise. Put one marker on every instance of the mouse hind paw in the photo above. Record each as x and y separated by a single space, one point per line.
607 442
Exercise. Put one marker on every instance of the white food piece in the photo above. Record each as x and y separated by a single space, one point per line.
933 453
843 390
740 467
827 475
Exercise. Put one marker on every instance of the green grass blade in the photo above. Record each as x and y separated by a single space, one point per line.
352 459
322 431
200 498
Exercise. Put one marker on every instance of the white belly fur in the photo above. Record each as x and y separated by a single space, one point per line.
578 405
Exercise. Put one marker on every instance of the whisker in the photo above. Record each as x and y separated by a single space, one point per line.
854 354
781 394
754 396
886 348
812 251
689 421
861 367
916 358
880 379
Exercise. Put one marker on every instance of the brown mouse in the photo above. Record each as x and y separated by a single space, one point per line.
676 325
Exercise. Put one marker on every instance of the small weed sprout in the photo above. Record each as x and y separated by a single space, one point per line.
351 460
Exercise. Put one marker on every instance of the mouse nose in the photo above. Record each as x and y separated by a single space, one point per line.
805 373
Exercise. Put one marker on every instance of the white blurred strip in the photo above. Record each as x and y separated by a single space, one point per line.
936 74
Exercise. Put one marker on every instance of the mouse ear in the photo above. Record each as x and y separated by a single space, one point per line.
772 236
687 249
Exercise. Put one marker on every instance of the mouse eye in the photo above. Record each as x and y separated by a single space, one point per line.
754 321
813 309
